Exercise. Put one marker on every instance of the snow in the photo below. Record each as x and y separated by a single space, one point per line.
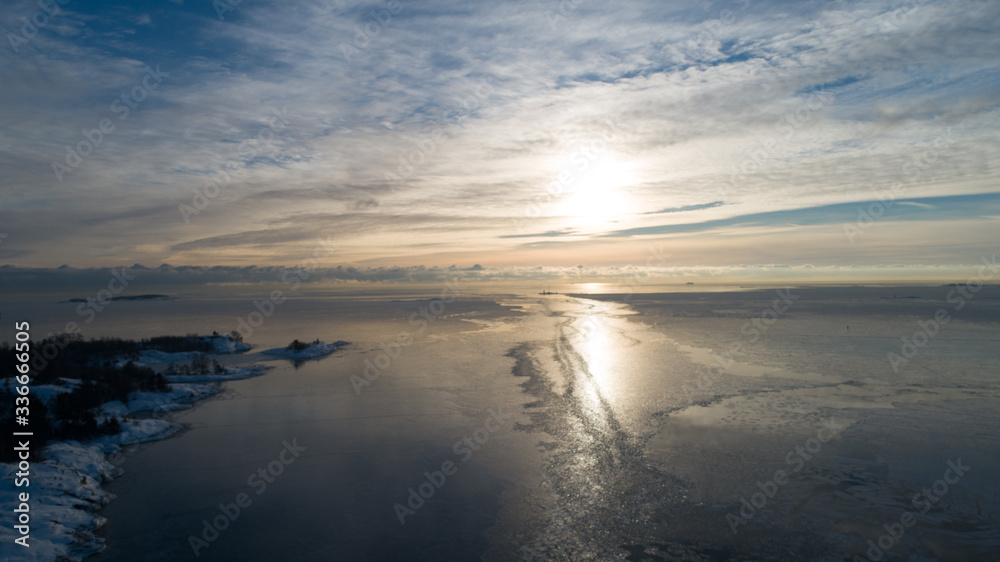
152 356
314 350
64 494
179 398
65 489
48 392
87 459
226 344
139 431
221 345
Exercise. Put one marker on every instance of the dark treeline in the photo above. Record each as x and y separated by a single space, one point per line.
95 364
175 344
297 345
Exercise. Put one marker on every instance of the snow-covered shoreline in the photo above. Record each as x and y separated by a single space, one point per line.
65 489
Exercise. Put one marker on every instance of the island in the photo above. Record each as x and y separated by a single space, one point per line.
301 351
149 297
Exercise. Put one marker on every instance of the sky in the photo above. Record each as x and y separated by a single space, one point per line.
393 138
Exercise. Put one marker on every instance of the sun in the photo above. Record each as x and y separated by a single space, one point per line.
594 195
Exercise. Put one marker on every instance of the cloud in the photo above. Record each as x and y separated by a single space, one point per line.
442 136
687 208
67 282
927 209
549 234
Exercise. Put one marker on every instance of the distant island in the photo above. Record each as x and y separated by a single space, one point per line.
149 297
300 350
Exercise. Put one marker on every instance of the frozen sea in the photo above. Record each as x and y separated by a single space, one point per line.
727 425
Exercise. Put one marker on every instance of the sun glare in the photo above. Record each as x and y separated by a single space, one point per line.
595 195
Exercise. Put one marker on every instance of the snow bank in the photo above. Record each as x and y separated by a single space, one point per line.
65 492
226 344
44 392
88 460
314 350
138 431
48 392
179 398
221 345
65 489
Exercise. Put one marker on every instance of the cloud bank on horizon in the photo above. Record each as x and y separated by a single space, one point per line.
402 133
